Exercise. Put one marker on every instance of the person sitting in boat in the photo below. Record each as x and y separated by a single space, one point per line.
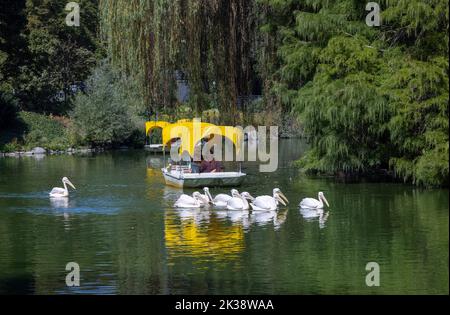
195 167
210 166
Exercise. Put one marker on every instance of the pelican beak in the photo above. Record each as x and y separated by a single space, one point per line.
325 199
281 200
210 198
284 197
251 197
70 184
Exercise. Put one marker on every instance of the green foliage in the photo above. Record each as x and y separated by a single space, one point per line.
211 42
11 43
211 116
368 98
109 112
44 131
419 127
35 130
12 146
41 57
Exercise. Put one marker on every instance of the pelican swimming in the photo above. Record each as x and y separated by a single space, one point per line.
58 192
269 202
205 198
206 195
219 200
239 201
194 201
311 203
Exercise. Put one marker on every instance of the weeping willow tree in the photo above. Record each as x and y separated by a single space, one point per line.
369 98
208 42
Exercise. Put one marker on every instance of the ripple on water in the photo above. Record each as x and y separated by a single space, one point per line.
120 226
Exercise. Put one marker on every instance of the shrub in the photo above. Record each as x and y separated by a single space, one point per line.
44 131
109 112
11 146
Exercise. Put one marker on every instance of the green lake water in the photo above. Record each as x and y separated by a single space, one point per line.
120 227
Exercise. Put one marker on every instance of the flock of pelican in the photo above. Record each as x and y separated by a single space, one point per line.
235 201
245 201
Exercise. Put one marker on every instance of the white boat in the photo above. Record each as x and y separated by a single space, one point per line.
159 147
155 148
179 178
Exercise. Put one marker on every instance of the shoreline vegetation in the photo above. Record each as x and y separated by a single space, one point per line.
368 100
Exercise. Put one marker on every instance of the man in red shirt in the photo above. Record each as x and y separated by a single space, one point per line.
210 166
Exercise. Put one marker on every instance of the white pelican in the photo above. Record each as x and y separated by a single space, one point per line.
194 201
269 202
239 201
205 198
219 200
58 192
206 195
311 203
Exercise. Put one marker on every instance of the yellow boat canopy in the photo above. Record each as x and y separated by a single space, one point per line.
192 131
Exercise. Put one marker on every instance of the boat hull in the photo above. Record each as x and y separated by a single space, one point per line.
157 148
221 179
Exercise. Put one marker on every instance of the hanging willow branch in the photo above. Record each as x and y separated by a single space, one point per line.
209 41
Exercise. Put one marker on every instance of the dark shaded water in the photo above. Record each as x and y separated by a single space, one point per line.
120 227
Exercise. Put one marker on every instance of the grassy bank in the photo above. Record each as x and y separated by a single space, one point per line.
36 130
55 133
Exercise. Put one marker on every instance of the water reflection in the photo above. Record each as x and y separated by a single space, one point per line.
66 221
62 204
239 217
197 215
155 162
122 227
315 215
279 219
59 203
210 234
154 178
200 234
263 218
